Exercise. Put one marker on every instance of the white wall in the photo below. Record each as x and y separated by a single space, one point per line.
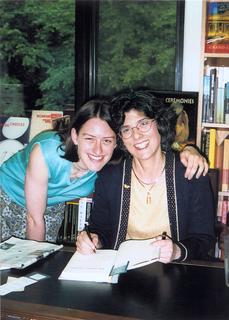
192 45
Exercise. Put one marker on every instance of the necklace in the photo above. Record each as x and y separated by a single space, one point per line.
151 185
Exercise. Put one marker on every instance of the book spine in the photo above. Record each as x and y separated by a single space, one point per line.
211 153
219 114
75 221
206 93
65 221
69 224
225 171
226 103
212 95
205 141
82 214
88 209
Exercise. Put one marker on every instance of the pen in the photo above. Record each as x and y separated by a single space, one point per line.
88 234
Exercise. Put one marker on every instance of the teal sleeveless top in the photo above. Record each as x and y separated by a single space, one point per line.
60 187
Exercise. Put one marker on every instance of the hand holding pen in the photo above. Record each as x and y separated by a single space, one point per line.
89 236
87 242
169 250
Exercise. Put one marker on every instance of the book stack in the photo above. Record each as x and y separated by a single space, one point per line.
76 215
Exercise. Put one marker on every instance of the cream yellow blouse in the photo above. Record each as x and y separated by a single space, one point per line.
148 220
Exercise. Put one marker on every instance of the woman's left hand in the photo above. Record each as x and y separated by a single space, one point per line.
195 163
168 250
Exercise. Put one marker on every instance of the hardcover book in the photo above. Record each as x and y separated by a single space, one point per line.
106 265
225 172
42 120
217 31
226 103
185 104
212 147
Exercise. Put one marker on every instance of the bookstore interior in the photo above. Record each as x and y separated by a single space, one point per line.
207 112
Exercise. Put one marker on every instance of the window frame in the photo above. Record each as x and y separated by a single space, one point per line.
87 28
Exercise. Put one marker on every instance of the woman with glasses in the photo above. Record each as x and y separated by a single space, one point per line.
147 194
60 166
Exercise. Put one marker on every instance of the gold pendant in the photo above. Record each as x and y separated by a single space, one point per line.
148 198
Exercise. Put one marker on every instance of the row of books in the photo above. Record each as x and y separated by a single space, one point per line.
215 145
76 215
216 95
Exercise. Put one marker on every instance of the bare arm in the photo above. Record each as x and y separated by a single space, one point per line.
36 184
194 161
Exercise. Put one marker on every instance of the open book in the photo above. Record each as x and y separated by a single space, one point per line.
106 265
18 253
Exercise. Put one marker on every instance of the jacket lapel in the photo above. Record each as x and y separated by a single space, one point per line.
125 203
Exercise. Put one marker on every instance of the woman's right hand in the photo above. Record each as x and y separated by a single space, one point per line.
86 246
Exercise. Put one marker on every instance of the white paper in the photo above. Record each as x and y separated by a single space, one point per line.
136 253
92 267
19 253
15 285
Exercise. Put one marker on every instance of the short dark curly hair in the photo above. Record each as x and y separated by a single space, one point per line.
143 100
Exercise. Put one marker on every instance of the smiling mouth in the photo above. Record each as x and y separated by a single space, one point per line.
142 145
95 157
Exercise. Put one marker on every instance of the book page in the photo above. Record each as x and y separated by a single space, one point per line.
134 254
91 267
19 253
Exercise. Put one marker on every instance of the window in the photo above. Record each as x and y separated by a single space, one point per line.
128 43
60 52
137 45
37 55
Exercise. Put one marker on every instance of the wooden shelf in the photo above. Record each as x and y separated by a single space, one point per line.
216 55
223 193
215 125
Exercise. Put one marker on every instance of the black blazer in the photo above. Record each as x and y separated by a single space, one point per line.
190 207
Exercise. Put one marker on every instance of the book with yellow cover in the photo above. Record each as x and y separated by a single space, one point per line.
212 146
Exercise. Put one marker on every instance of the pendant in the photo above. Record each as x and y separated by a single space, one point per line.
148 198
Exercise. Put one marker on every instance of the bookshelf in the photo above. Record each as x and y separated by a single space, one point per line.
213 104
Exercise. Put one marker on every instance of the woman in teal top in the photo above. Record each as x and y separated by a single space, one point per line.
54 168
60 166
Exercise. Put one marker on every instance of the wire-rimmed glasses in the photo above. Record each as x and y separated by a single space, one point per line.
143 126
